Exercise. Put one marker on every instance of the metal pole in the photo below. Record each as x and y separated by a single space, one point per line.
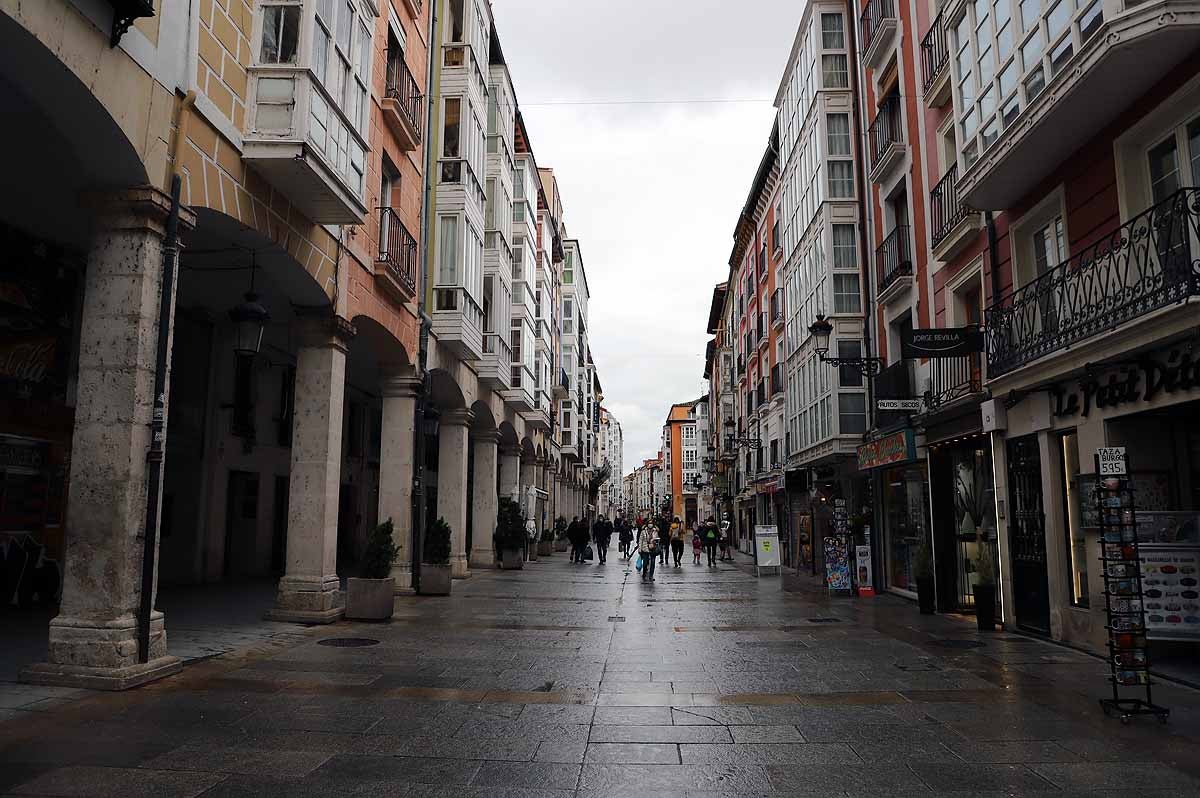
158 425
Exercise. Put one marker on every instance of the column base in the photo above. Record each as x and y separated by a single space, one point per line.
483 559
308 601
93 678
404 581
458 567
102 655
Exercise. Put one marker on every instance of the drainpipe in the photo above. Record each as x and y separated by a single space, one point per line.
418 494
993 256
158 425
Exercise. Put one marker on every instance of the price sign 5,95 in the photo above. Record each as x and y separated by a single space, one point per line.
1112 461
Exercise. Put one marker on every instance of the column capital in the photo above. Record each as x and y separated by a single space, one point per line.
458 417
319 326
511 450
486 436
135 208
405 386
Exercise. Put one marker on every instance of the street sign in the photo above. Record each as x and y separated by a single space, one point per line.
1112 461
898 404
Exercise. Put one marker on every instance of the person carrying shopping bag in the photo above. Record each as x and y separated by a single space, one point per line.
648 549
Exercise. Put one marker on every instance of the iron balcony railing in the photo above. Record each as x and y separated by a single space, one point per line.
893 258
397 249
1145 264
776 379
777 306
948 210
403 88
887 128
872 19
935 55
760 393
952 378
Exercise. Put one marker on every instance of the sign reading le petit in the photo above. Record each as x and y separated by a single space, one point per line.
941 342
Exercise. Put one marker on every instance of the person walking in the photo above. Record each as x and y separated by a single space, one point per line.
711 537
664 538
696 545
577 534
602 537
648 548
677 533
625 538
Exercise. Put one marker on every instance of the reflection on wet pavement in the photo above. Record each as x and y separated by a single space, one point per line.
565 680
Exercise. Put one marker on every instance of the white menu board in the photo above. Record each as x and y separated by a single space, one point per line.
1171 591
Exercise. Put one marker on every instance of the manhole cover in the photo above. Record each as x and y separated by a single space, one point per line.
348 642
616 618
824 620
951 643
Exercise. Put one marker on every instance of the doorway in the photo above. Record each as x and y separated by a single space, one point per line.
241 524
1027 533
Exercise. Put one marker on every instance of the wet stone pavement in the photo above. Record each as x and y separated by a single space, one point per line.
566 680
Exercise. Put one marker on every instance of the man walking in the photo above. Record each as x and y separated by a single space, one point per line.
602 536
577 534
664 538
710 538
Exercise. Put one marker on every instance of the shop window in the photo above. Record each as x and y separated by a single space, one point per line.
1073 493
905 508
974 516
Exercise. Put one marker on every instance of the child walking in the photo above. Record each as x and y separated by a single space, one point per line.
696 545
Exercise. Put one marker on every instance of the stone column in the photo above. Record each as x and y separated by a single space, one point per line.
310 591
510 472
528 475
396 470
93 642
484 501
452 484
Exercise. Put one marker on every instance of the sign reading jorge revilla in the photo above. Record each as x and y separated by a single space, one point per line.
942 342
900 447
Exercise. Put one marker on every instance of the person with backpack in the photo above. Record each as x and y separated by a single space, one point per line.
711 537
677 532
648 545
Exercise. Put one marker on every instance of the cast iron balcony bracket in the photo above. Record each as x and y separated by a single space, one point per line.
124 13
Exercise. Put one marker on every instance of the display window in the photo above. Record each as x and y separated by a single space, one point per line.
906 522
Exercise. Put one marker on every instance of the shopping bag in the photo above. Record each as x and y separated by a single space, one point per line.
639 562
588 553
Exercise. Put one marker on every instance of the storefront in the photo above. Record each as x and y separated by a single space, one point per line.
962 507
900 481
1150 405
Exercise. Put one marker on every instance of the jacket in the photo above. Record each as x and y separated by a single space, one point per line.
677 532
648 540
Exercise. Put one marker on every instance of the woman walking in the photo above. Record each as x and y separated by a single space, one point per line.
677 533
648 547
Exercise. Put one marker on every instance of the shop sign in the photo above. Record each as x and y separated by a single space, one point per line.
911 405
1152 376
769 486
941 342
900 447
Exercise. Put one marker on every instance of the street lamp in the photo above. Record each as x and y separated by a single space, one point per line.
249 319
821 330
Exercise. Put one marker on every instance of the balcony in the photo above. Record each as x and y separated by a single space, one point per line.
760 394
777 380
741 366
396 264
302 143
1143 266
886 140
893 261
403 104
952 378
520 396
496 366
877 32
954 224
458 321
777 316
1118 57
935 65
562 388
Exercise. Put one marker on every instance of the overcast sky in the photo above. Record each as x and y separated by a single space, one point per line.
652 190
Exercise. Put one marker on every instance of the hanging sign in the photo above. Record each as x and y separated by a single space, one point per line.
941 342
910 405
899 447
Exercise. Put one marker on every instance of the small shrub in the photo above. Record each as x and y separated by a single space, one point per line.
380 553
510 526
437 543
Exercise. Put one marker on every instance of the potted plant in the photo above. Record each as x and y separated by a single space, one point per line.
985 589
510 535
545 545
370 597
435 560
923 571
560 534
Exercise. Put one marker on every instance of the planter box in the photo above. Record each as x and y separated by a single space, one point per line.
545 548
435 580
561 545
513 559
532 548
370 599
